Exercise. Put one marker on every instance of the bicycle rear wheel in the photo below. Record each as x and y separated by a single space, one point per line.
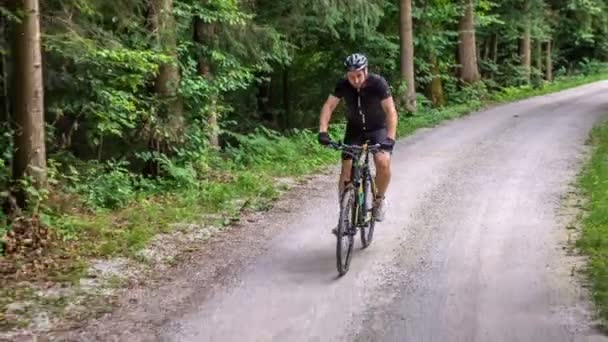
367 231
345 232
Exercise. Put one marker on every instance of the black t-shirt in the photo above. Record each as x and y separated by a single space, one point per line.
367 101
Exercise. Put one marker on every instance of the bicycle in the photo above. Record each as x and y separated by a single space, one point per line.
356 203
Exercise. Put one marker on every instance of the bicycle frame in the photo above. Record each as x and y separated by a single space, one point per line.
359 171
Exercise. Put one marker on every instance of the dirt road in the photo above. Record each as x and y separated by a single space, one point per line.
471 249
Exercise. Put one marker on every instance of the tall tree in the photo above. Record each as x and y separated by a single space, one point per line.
525 49
539 56
433 42
436 87
4 96
407 53
548 63
28 104
163 26
467 51
204 34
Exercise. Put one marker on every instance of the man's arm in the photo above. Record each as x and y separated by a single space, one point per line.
391 117
328 108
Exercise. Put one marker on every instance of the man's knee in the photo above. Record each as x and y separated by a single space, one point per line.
383 161
346 169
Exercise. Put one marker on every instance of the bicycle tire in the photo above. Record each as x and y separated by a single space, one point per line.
344 234
367 231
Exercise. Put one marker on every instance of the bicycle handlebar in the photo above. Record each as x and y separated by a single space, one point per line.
352 149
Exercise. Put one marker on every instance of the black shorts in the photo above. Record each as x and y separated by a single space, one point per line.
355 136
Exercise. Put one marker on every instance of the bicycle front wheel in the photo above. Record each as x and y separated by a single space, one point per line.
345 232
367 230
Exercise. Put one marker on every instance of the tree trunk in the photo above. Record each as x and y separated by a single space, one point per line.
469 71
495 49
526 58
30 150
407 54
494 52
169 128
549 63
167 82
487 47
286 99
539 56
436 84
526 48
4 101
204 34
263 102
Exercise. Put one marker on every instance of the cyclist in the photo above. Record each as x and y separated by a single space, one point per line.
370 115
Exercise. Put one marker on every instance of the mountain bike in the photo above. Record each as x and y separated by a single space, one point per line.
356 203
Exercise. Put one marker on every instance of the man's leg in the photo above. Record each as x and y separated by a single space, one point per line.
347 165
351 136
382 161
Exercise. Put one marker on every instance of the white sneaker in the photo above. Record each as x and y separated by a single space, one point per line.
379 209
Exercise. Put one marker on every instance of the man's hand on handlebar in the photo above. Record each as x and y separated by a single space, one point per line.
324 138
387 144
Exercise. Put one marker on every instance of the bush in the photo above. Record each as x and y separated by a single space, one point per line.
104 186
269 150
3 230
5 156
473 94
591 67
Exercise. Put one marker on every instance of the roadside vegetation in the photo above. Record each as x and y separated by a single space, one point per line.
593 242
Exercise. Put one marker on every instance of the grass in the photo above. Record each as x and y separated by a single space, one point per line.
125 231
593 241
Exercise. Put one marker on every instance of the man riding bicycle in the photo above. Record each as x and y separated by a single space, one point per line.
370 115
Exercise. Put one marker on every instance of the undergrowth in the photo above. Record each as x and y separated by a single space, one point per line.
593 241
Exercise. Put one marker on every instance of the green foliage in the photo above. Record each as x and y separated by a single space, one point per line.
473 94
214 11
512 75
4 178
5 173
111 85
4 228
5 156
281 155
582 30
594 239
103 186
591 67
